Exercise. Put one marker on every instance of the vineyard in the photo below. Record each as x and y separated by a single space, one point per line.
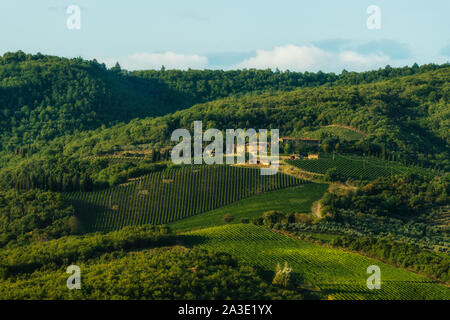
289 200
172 194
355 167
338 274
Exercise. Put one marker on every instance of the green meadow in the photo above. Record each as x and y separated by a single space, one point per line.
295 199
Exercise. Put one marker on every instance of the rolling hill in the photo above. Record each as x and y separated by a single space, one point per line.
358 168
293 200
338 274
86 178
404 119
171 195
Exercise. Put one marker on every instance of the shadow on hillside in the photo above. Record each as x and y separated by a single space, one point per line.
89 213
190 240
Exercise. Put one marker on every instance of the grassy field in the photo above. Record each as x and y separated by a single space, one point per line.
171 195
338 274
356 167
295 199
341 132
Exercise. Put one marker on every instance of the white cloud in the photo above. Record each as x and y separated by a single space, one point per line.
356 60
311 58
170 60
289 57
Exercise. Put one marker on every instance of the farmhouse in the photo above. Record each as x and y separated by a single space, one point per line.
313 156
249 148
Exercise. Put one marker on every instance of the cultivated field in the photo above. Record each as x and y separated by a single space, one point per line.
338 274
172 194
355 167
295 199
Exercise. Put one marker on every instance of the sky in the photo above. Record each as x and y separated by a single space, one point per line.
295 35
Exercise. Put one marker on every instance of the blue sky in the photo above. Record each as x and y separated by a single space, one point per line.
298 35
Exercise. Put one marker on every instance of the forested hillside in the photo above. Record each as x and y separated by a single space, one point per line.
405 117
206 85
43 97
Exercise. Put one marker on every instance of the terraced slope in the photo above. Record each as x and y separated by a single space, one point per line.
338 274
172 194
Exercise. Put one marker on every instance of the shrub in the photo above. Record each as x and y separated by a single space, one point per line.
272 217
303 218
332 175
74 225
283 277
258 221
245 220
227 218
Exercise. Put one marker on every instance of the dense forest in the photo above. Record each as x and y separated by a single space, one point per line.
66 174
43 97
404 119
133 271
396 196
188 275
34 216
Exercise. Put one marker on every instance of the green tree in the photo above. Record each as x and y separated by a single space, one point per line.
283 276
